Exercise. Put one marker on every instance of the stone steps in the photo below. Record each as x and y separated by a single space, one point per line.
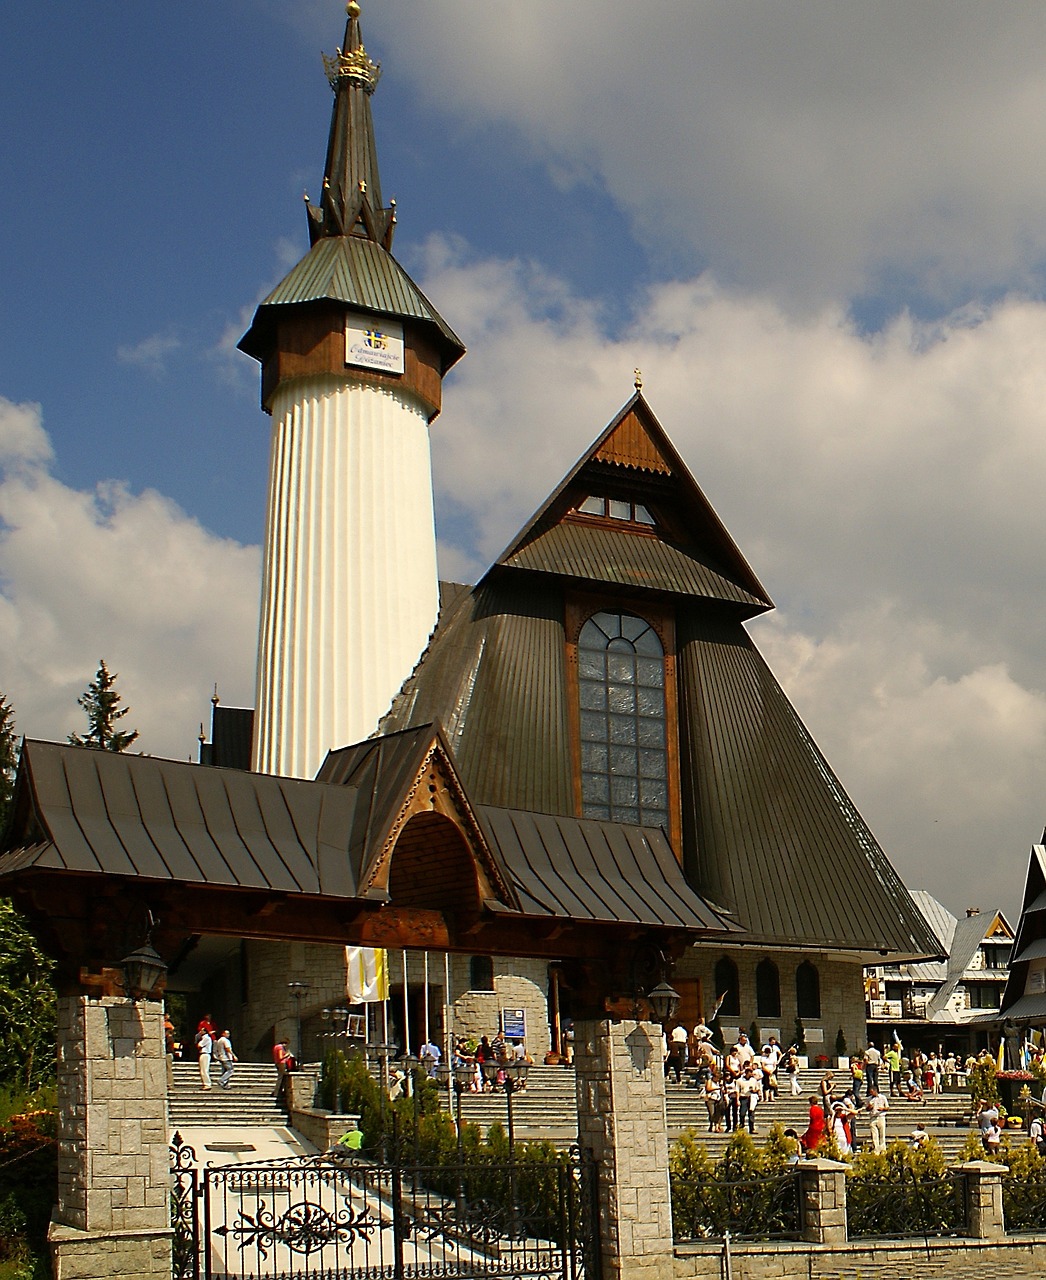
247 1102
547 1109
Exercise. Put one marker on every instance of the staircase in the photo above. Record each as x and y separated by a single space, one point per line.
944 1115
246 1103
547 1109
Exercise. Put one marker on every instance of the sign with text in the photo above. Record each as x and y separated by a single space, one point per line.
374 343
514 1024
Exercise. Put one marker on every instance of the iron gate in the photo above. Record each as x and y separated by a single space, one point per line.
332 1216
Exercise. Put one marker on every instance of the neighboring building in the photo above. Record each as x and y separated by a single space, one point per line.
599 673
936 1004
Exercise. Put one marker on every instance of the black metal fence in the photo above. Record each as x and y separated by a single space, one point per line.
345 1216
905 1204
764 1208
1024 1199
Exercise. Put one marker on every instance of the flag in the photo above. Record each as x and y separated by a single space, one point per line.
718 1006
367 975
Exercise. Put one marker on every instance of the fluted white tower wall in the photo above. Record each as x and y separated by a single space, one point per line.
350 592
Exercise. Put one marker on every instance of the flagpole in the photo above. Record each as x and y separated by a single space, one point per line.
448 1031
406 1007
426 1005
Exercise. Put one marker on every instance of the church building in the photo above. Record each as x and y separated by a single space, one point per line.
600 671
540 793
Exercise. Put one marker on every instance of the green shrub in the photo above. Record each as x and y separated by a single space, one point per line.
903 1192
741 1192
982 1082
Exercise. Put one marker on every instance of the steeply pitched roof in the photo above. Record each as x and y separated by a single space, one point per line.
768 834
688 550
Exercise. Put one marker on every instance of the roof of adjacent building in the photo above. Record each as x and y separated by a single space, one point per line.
769 836
86 813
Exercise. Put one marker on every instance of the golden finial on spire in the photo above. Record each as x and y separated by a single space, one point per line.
354 65
639 379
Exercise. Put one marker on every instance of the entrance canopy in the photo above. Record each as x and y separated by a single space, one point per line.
385 849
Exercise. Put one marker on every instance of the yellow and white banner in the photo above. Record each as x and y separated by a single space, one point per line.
367 980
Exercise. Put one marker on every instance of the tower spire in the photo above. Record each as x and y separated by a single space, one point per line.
351 202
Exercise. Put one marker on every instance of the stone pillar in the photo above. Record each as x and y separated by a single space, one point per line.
984 1216
621 1118
823 1186
113 1212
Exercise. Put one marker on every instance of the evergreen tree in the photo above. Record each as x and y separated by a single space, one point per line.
101 701
27 1004
8 758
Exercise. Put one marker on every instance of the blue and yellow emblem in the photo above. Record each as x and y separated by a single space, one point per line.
376 340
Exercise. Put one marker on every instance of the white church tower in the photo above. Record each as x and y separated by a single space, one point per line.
353 356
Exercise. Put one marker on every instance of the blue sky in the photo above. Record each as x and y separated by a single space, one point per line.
820 230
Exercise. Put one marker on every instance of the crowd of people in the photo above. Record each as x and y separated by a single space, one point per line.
737 1082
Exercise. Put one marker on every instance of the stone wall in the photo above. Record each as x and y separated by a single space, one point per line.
1020 1258
621 1120
842 993
113 1212
270 1012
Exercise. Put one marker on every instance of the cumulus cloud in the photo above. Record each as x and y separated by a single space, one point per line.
883 487
128 577
815 149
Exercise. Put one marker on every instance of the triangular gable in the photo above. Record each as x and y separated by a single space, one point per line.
999 928
636 443
410 774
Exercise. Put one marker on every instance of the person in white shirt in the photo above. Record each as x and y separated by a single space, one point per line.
877 1105
226 1058
205 1043
744 1050
749 1088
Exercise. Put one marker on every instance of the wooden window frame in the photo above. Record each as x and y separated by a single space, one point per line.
579 607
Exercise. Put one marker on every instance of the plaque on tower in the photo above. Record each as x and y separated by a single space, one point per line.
372 342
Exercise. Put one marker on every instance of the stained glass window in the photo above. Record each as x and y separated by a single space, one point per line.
624 753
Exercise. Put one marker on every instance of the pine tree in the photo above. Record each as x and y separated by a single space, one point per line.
8 758
101 701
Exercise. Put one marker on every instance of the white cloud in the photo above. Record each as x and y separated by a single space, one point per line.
808 147
128 577
150 354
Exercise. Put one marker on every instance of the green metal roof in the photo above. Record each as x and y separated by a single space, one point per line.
623 558
361 275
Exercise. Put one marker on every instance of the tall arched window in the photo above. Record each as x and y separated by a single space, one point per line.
726 985
767 990
624 754
807 991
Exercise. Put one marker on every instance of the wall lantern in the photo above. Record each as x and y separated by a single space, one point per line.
143 969
663 1001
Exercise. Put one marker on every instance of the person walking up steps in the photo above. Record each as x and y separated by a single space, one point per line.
226 1058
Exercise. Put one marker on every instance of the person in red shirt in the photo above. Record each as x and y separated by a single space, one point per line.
284 1059
811 1139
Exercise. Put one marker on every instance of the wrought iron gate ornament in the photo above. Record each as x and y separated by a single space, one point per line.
343 1215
